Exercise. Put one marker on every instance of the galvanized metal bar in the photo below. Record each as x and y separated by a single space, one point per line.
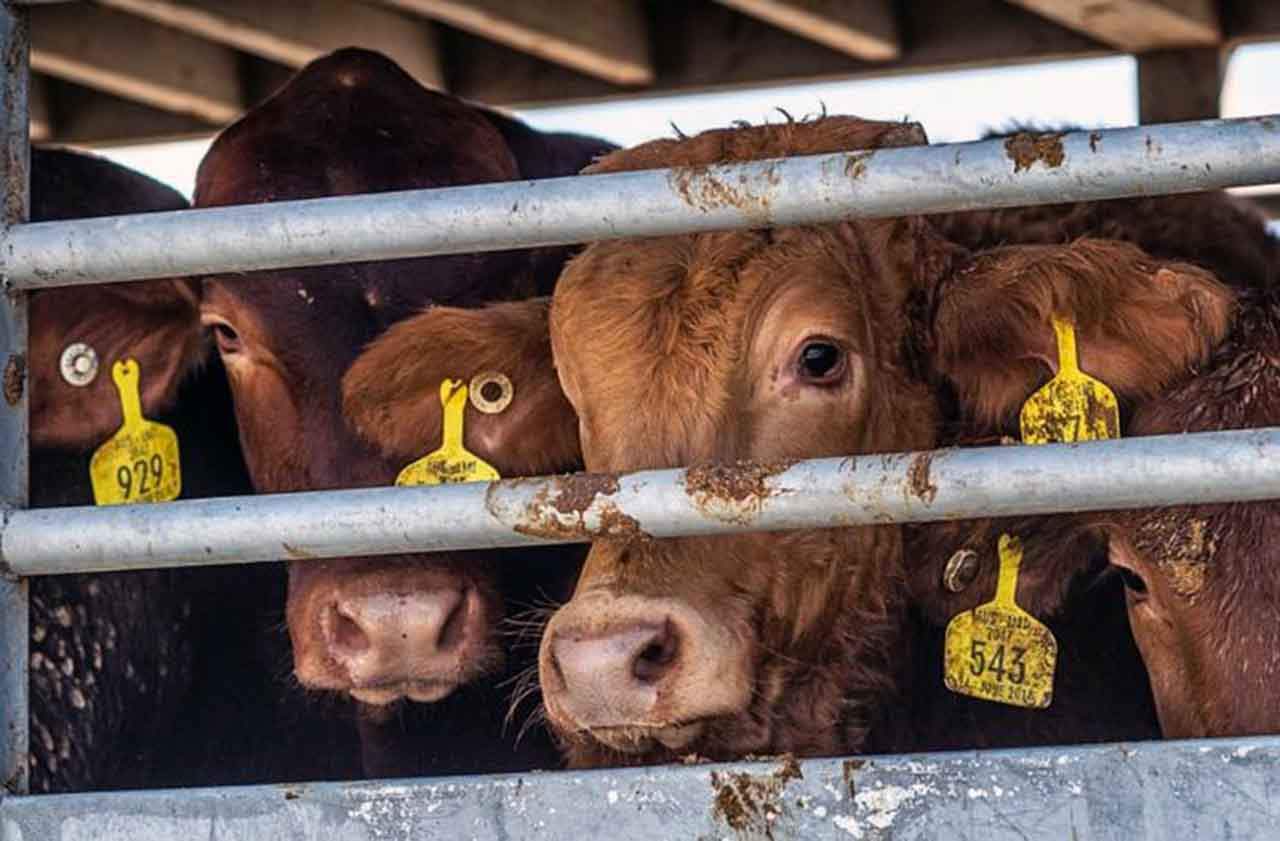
1153 791
889 182
14 165
822 493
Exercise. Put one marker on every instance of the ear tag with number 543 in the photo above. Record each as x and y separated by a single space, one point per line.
998 651
140 462
1072 406
452 462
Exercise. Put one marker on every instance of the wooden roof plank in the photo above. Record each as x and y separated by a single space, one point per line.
864 29
1136 26
607 39
295 32
135 59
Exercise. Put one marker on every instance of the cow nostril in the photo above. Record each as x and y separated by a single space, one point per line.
347 635
454 627
655 659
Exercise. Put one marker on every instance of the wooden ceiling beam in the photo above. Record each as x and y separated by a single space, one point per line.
864 29
295 32
606 39
1136 26
135 59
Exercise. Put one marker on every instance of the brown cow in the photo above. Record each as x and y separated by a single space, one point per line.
762 345
381 630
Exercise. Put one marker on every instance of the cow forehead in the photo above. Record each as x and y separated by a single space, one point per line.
654 338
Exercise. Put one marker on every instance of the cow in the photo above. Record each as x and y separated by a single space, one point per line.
761 346
1069 577
130 671
385 632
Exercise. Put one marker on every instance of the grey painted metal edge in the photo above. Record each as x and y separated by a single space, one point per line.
701 500
1221 789
14 464
1172 158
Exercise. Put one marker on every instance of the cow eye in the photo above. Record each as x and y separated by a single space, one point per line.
821 362
226 336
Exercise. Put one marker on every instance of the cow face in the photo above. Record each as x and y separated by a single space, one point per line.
1201 585
156 322
765 346
353 122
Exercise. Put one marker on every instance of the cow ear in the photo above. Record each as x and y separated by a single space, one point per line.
156 322
391 392
1141 323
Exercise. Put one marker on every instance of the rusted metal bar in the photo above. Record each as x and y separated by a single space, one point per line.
700 500
14 164
1021 170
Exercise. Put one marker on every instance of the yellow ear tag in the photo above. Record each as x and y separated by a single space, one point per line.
1072 406
452 462
998 651
140 462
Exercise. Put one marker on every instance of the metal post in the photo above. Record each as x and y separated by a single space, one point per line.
14 164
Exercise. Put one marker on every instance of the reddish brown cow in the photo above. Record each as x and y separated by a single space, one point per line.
381 630
762 345
1065 568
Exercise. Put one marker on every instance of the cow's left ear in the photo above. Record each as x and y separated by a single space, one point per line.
391 393
1140 323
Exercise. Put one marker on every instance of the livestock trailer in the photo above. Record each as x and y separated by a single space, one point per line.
1209 789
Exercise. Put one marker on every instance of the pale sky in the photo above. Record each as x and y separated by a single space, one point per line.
952 106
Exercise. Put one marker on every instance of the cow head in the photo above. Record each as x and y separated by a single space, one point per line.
1201 583
760 345
156 322
380 629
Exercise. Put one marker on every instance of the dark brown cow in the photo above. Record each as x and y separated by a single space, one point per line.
769 346
157 678
381 630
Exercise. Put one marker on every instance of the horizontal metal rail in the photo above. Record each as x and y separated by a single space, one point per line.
889 182
1221 789
831 492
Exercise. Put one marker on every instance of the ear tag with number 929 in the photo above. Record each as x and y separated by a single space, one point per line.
998 651
140 462
1072 406
452 462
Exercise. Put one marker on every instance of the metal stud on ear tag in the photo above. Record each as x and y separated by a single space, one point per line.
140 462
1072 406
998 651
451 462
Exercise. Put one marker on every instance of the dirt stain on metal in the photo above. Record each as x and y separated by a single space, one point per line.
851 769
704 190
732 492
15 377
750 804
1025 148
293 553
919 482
558 510
855 166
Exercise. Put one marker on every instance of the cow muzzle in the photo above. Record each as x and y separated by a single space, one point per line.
631 671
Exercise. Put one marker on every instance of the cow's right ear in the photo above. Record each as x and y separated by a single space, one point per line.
391 393
1141 323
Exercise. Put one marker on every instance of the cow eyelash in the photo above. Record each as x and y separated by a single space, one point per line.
225 335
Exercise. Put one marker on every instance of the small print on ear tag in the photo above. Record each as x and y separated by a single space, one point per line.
1073 406
452 462
998 651
140 462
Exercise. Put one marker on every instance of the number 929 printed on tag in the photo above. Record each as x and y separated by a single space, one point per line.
140 462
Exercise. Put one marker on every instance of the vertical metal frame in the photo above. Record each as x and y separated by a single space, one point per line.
14 457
